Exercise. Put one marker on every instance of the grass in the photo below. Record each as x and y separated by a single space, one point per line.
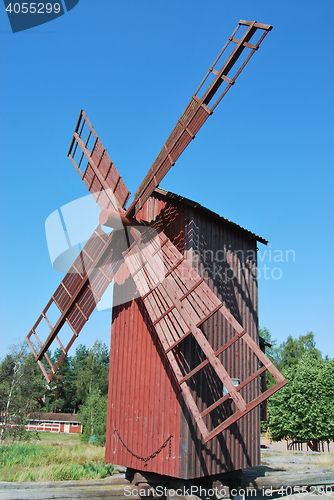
54 458
59 438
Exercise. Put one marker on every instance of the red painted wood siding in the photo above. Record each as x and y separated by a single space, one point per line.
145 406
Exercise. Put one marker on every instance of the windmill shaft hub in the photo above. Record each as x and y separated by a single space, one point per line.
113 219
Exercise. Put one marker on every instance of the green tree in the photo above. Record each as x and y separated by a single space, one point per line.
81 383
273 353
77 377
292 350
79 366
93 417
22 387
93 372
92 388
60 394
303 409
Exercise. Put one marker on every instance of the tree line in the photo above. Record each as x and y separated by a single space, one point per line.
303 410
80 386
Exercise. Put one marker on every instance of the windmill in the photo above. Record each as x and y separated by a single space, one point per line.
168 308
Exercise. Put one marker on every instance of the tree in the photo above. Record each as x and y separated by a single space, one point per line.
81 382
92 388
303 409
93 417
292 350
60 392
21 390
93 373
79 365
77 377
273 353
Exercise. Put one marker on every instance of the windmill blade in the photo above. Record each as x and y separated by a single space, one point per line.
77 295
93 270
177 306
100 174
199 109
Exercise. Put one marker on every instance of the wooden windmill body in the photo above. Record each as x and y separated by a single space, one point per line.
145 408
185 361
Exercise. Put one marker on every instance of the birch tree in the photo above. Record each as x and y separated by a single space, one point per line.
21 390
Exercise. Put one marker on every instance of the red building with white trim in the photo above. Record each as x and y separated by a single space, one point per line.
54 422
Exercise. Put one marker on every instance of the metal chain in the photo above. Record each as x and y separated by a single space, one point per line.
149 457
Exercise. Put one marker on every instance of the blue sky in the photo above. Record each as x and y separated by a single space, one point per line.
263 160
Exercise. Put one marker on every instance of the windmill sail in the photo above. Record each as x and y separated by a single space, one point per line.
77 296
178 305
89 276
199 108
100 175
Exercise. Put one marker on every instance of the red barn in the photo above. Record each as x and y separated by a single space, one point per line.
54 422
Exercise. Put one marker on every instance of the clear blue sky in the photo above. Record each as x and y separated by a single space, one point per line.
263 160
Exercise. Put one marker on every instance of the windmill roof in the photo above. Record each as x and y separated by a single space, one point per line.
196 205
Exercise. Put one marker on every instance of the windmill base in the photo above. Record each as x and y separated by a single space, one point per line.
226 485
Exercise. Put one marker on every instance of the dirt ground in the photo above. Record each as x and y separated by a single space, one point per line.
276 457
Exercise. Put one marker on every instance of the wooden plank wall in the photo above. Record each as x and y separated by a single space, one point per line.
145 406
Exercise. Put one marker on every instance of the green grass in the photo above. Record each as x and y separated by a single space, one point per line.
59 438
52 461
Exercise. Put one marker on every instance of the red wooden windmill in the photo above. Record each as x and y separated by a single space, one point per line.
184 371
